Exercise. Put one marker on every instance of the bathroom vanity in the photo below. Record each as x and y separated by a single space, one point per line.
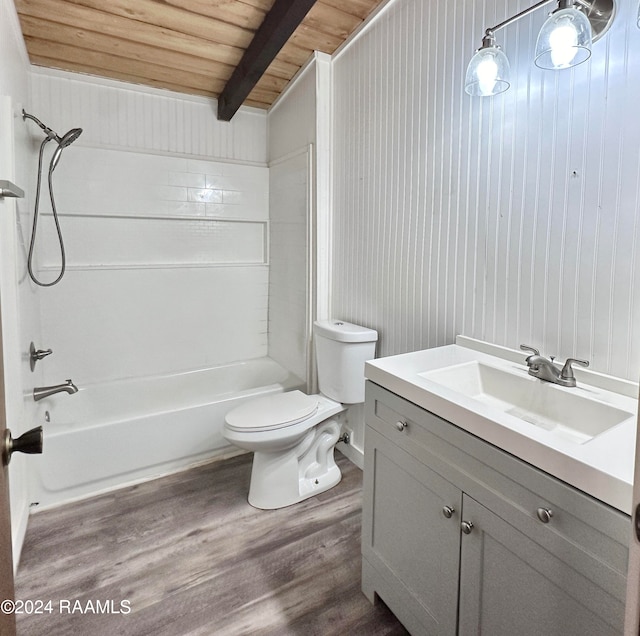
464 532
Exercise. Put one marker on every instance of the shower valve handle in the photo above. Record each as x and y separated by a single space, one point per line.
37 354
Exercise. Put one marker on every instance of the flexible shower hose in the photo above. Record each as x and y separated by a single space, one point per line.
35 222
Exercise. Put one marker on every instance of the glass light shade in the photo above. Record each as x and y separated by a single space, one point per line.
564 40
487 73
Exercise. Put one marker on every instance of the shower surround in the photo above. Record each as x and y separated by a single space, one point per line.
165 215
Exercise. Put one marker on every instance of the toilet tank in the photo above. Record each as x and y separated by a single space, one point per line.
342 348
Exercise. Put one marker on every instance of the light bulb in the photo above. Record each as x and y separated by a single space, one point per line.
564 45
487 72
564 40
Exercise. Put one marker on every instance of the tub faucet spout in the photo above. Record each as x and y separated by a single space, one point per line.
41 392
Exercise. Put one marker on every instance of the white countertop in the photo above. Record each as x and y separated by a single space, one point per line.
602 467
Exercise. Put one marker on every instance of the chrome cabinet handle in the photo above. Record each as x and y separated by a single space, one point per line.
466 526
448 511
544 514
401 425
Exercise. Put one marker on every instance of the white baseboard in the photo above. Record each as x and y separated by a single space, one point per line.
352 453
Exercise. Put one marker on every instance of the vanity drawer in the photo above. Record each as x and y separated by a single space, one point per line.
585 533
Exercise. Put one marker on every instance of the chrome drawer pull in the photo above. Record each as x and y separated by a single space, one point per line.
448 511
401 425
467 527
544 514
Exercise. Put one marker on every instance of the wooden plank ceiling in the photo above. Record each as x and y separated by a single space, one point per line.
189 46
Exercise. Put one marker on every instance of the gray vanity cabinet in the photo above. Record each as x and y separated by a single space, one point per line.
460 537
418 550
511 585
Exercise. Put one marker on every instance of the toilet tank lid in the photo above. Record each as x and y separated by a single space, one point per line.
344 331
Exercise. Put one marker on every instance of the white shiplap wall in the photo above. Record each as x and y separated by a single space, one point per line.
166 237
513 219
126 116
292 119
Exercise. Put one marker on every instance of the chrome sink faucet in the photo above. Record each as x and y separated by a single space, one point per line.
545 369
41 392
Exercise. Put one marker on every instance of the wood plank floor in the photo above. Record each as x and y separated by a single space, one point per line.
191 557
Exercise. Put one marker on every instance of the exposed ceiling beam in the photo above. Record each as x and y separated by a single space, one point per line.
276 29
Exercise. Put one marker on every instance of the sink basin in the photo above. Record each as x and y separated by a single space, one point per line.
584 436
564 412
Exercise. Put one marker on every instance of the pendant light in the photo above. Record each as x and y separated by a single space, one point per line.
565 38
488 71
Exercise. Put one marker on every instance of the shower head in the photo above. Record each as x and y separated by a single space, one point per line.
68 138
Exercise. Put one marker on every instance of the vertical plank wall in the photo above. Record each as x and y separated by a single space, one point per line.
128 116
513 219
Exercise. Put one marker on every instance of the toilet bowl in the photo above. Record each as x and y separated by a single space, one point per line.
293 456
293 435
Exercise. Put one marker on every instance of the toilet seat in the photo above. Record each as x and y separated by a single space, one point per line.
272 412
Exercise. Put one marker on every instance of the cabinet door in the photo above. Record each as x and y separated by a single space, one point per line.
410 548
511 585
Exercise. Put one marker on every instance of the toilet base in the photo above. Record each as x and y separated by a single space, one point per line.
283 479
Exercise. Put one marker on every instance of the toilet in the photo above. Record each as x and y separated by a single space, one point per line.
292 435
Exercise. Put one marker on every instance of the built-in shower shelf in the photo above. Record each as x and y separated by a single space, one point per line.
8 189
150 266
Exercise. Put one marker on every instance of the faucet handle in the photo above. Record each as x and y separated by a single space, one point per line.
567 370
533 350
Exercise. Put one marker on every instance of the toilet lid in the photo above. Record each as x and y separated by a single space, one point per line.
272 411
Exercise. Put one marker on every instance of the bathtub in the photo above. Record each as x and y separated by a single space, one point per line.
117 433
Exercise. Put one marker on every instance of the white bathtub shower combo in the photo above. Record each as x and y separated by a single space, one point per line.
117 433
293 435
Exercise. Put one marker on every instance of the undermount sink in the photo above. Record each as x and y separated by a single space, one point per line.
561 411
